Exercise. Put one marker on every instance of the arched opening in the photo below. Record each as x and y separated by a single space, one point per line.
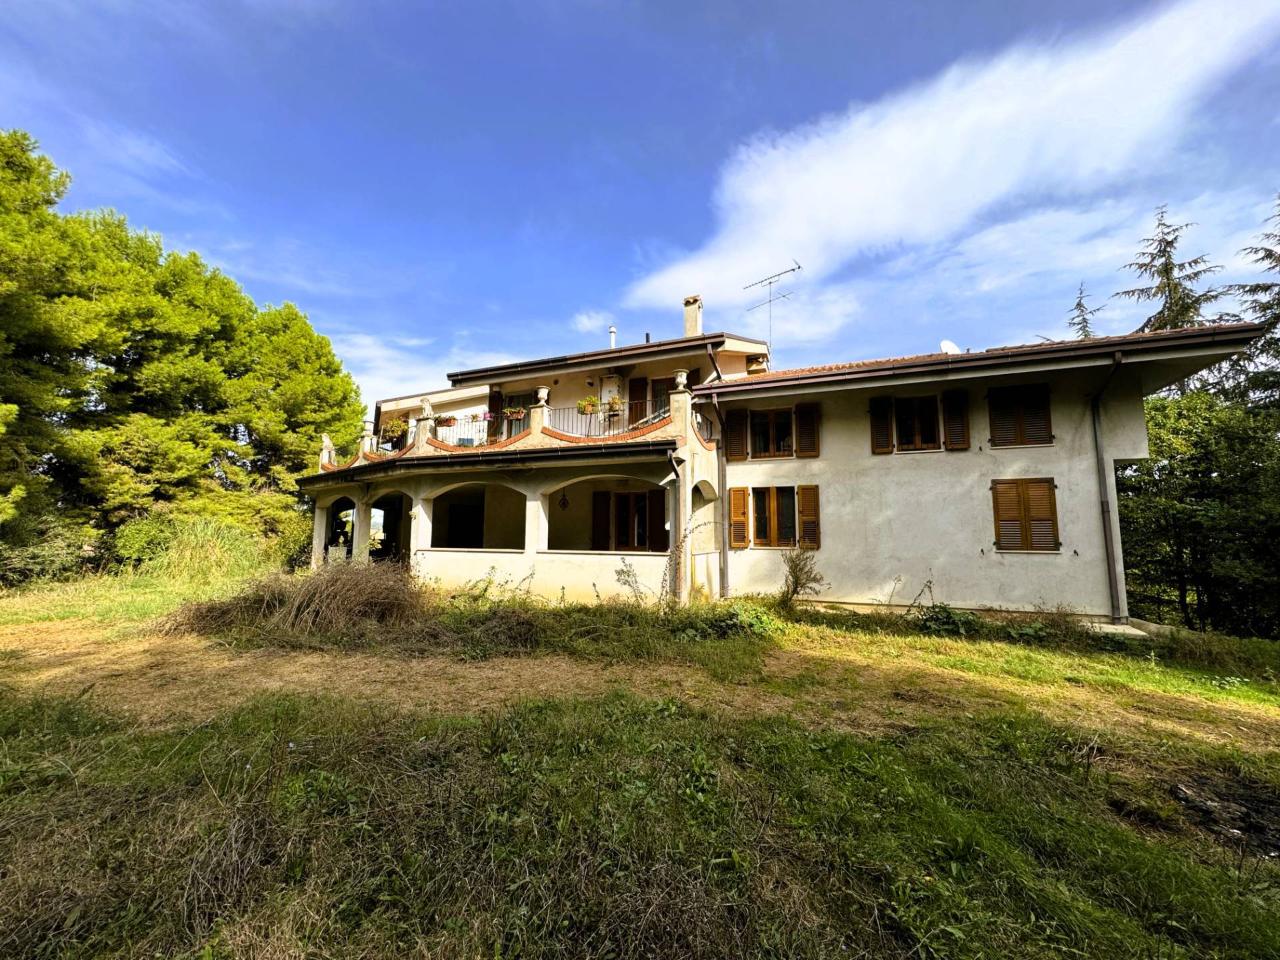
478 516
390 519
340 529
702 520
609 514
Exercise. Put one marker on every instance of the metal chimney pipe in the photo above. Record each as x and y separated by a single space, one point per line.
613 336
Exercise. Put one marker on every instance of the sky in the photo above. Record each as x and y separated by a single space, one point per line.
448 185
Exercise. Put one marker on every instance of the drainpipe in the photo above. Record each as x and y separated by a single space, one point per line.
1104 488
676 539
722 478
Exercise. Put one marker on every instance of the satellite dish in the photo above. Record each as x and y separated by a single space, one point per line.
949 347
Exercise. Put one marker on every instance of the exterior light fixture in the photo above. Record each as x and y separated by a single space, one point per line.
564 500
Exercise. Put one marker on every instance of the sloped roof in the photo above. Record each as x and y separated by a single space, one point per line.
1238 334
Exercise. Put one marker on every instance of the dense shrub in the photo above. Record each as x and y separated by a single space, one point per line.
186 548
46 548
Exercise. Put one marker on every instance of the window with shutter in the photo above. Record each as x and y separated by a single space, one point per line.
1019 416
735 435
917 422
1026 514
881 425
739 537
807 512
808 417
955 420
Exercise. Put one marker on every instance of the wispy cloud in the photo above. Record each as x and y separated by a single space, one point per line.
389 366
1038 121
591 321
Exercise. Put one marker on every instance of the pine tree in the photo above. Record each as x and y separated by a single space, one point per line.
1258 371
1173 281
1080 316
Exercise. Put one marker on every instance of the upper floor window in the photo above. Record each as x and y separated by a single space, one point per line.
1020 415
771 434
913 423
917 422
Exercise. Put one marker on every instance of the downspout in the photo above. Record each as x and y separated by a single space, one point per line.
722 478
677 544
1104 488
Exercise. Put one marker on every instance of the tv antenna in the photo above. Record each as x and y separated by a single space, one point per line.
771 298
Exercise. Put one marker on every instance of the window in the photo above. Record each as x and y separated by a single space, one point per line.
629 520
771 433
917 421
768 434
1019 415
774 517
1026 514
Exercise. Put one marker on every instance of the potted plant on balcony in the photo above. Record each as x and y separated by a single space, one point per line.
446 420
614 406
514 413
588 405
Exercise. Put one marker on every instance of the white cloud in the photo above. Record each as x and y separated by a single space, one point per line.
390 366
920 165
591 321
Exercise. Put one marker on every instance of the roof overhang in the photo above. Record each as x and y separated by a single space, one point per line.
595 359
587 453
1163 359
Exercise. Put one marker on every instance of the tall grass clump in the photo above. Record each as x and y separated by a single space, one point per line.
190 548
351 605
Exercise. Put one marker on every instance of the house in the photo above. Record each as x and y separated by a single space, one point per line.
983 479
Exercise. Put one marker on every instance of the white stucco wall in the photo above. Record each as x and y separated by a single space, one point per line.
892 523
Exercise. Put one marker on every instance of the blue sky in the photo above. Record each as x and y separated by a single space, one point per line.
440 185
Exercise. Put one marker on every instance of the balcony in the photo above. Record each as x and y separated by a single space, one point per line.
606 422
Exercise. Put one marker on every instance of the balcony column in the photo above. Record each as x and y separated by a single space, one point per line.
361 520
319 534
538 412
680 496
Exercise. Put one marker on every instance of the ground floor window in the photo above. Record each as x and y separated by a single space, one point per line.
774 510
774 517
1026 514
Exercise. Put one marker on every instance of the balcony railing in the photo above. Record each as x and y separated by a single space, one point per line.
465 432
604 422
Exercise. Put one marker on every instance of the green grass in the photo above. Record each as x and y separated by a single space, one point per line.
118 598
620 827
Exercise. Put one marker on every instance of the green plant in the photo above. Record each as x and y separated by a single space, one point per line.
801 577
588 404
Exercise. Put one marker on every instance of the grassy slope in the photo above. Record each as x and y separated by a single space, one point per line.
989 821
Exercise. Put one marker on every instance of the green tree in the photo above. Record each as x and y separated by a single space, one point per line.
137 381
1201 516
1081 316
1255 377
1172 281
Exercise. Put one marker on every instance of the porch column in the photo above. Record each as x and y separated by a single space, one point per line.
535 524
319 534
420 533
360 523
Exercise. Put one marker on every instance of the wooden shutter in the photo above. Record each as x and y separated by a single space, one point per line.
808 417
659 536
881 425
637 394
955 419
809 530
1019 415
1026 514
1002 411
1006 504
735 435
738 518
1036 424
495 415
600 520
1042 514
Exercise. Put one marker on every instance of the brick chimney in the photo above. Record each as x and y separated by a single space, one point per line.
693 316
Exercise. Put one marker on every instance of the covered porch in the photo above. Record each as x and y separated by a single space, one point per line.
559 530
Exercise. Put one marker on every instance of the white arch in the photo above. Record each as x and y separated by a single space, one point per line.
707 489
327 501
449 488
561 484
